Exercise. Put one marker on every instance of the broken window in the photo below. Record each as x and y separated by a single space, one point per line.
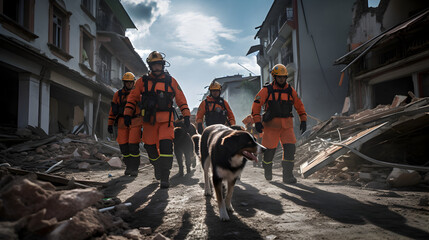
87 48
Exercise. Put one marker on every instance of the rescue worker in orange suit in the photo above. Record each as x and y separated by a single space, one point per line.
214 109
278 98
155 93
128 136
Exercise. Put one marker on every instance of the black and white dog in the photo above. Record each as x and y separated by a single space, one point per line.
227 151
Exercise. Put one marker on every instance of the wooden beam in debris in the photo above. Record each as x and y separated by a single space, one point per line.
331 153
53 178
30 145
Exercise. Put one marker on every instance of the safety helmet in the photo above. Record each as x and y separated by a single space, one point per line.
128 76
279 70
155 57
215 86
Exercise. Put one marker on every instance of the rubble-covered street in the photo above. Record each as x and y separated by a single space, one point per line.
348 198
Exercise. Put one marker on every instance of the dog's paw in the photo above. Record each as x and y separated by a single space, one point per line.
230 209
223 215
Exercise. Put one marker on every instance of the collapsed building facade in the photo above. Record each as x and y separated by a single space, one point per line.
62 61
389 49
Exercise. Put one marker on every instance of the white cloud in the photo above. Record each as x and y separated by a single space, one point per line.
153 9
231 62
199 34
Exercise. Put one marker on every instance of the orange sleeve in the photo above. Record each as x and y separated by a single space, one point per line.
133 98
259 101
112 117
299 106
231 117
180 98
201 111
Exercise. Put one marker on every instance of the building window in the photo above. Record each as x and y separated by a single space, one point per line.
86 50
18 17
105 65
57 28
87 8
59 31
87 4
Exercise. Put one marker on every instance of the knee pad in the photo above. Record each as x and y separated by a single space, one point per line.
151 150
289 151
166 146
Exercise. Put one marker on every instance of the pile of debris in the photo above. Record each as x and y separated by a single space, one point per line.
382 147
51 153
31 209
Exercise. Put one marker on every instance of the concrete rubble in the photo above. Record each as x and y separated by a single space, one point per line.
401 140
35 204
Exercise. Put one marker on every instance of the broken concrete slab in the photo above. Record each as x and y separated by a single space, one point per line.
331 153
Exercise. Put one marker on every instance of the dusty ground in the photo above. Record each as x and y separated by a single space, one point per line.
267 210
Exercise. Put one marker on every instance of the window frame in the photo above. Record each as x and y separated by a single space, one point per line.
62 51
24 25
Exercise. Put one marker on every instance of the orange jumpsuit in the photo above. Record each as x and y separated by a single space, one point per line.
156 94
126 134
279 128
128 137
214 105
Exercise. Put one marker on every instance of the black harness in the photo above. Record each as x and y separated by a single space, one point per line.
118 109
156 101
215 116
278 107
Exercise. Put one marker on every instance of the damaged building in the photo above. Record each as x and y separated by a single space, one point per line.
388 53
306 36
62 61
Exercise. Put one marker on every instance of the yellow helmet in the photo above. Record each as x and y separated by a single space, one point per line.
128 76
279 70
215 86
155 56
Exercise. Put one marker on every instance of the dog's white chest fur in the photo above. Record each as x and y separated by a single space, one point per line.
227 174
236 160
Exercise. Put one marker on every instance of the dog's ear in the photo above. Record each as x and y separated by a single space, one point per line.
230 141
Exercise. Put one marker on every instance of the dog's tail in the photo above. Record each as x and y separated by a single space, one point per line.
196 139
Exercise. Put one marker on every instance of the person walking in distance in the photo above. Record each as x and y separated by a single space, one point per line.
214 109
128 136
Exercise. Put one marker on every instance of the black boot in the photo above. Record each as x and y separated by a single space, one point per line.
288 162
166 161
125 151
156 168
134 160
153 155
134 166
288 177
267 163
165 178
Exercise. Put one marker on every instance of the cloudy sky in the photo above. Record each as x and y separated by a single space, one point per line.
202 39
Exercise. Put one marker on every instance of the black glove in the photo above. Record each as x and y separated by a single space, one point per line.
127 120
259 127
110 129
200 128
303 126
187 121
